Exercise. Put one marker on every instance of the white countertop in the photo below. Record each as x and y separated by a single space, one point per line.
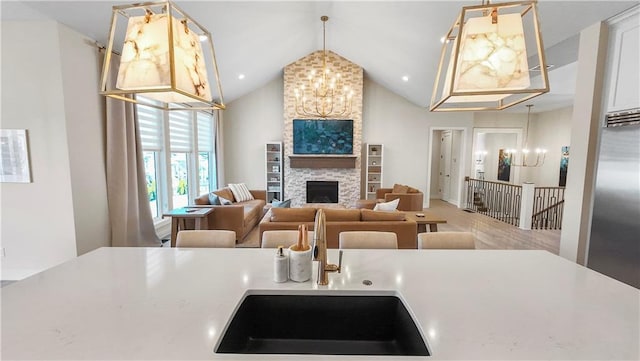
173 304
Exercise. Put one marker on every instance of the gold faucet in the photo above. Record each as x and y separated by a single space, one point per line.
320 249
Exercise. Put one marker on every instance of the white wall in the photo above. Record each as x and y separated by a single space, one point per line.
86 139
40 225
405 130
249 123
38 228
401 126
550 130
493 143
499 120
585 123
495 123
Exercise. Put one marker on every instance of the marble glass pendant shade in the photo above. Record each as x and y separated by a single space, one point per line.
485 59
162 59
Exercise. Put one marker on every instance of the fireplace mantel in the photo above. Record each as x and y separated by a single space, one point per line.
322 161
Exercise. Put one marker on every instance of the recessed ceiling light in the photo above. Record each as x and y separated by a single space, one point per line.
202 37
240 76
405 78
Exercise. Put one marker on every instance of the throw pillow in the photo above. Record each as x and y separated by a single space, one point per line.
387 206
413 190
281 204
240 192
224 193
399 188
214 199
375 216
224 201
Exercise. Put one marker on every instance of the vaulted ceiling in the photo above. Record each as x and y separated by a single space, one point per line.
389 39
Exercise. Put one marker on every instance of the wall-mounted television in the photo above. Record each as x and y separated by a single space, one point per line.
322 136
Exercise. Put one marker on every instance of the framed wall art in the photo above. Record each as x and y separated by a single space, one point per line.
564 166
504 165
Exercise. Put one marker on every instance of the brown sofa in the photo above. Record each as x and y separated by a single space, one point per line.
411 199
239 217
339 220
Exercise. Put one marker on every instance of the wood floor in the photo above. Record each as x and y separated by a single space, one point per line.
493 234
489 233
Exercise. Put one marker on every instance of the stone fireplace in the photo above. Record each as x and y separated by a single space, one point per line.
322 167
322 192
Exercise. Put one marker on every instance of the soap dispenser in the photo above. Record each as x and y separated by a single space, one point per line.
280 266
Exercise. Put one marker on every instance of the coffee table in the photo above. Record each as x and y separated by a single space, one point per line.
429 218
179 215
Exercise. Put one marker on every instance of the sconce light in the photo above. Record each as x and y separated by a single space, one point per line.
162 58
480 156
487 59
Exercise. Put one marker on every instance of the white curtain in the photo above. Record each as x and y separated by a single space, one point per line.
131 220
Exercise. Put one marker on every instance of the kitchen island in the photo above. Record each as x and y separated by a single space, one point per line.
173 304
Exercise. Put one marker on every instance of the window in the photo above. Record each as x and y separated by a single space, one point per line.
180 179
179 156
181 144
207 175
150 129
203 173
152 181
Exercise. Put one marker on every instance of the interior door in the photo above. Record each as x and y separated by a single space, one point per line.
454 179
444 167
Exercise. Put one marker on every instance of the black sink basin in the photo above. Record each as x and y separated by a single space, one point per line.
324 325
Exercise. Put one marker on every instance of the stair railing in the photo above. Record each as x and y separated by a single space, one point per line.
494 199
504 202
548 206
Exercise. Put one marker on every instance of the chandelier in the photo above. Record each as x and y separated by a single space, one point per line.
162 59
525 161
487 60
324 94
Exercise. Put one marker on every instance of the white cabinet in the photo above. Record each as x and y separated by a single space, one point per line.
373 170
623 62
273 170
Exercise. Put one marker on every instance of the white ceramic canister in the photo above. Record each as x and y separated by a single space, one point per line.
280 266
299 265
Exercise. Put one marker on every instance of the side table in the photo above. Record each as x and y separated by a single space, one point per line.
179 215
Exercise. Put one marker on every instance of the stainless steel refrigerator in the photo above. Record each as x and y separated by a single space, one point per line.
614 245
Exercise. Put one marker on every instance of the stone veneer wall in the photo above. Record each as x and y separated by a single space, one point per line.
295 178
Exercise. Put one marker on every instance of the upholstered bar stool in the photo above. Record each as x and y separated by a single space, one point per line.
285 238
206 239
368 239
446 240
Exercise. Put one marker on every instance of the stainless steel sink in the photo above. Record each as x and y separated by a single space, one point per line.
324 325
